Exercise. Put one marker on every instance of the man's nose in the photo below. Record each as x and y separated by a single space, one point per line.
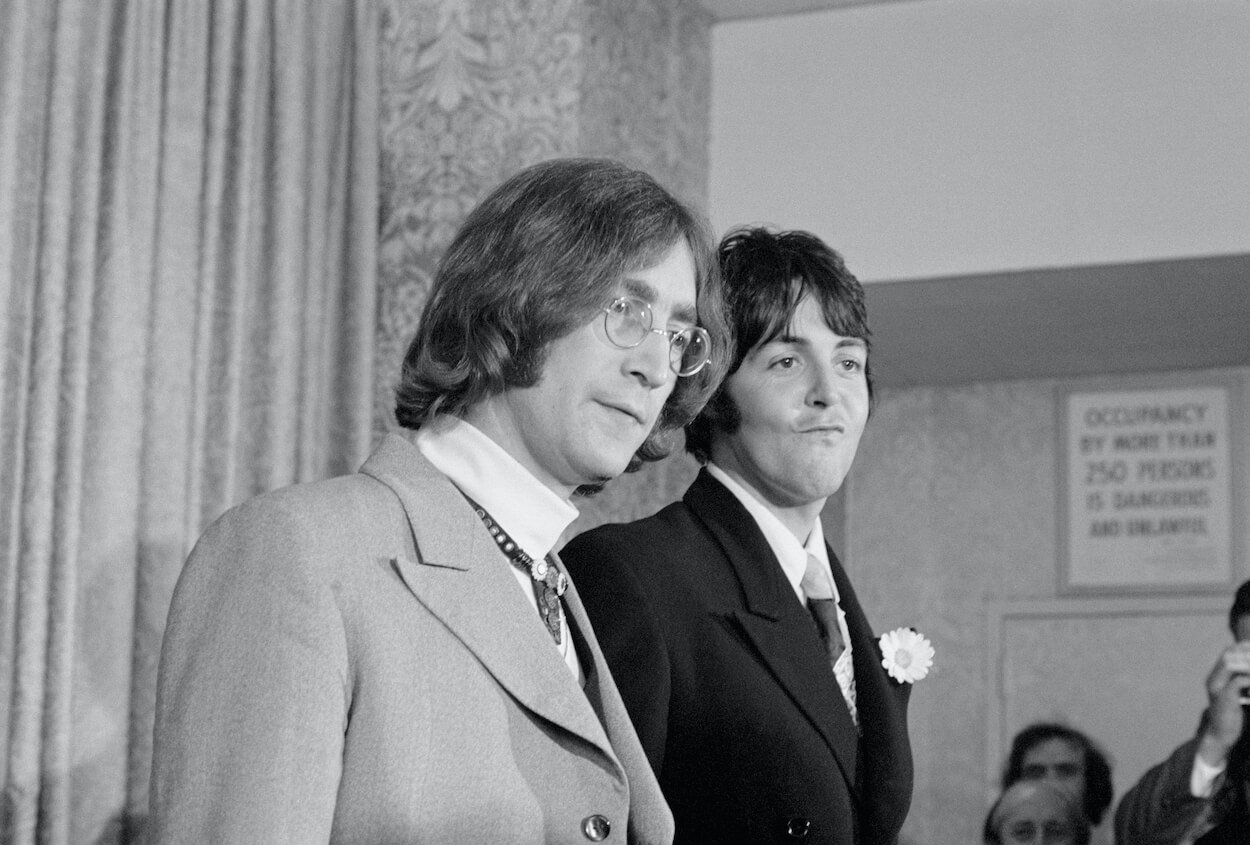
823 388
648 361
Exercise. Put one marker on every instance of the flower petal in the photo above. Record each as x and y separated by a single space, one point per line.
906 655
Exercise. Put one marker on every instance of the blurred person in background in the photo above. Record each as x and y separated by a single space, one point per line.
1066 757
1200 795
1036 812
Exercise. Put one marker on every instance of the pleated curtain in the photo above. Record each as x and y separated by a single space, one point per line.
188 238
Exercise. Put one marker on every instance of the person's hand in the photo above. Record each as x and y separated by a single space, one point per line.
1227 686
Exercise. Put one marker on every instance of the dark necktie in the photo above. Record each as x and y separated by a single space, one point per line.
825 613
824 610
548 581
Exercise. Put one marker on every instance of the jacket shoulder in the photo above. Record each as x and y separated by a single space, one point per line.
316 507
635 542
302 529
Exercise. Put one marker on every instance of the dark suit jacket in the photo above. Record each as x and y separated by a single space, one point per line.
729 686
1159 810
353 661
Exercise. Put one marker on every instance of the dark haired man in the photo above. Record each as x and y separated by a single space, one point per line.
1065 757
763 724
396 655
1200 795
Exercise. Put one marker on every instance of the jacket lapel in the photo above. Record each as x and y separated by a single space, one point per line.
459 575
647 803
774 621
881 698
885 772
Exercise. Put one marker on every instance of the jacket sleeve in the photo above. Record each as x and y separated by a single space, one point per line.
603 566
252 689
1159 809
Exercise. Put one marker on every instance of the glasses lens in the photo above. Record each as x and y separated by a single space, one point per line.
627 322
689 351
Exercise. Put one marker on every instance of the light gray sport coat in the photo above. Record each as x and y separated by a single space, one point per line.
352 661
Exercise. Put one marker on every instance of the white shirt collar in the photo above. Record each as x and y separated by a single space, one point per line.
528 510
791 554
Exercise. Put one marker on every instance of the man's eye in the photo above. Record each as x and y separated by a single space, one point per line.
1023 832
786 363
680 341
852 365
629 309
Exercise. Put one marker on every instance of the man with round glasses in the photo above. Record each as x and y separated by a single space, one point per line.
398 655
736 639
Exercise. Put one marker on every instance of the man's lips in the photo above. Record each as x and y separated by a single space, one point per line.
823 428
628 410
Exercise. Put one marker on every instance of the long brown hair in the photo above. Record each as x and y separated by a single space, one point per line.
537 259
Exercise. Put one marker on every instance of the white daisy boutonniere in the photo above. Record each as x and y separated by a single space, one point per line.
906 655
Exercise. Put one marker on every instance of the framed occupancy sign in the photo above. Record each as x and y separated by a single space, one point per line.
1146 499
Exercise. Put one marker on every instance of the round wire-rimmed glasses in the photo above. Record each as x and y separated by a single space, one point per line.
628 321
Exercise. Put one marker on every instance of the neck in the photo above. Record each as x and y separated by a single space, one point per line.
798 518
499 426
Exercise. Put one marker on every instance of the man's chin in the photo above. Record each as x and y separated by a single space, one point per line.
602 468
593 487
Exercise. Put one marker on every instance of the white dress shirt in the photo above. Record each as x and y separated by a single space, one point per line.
791 554
528 510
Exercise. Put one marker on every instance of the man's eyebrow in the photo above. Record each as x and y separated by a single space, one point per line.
796 340
639 289
683 312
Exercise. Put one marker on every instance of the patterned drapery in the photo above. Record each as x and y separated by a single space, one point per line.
188 218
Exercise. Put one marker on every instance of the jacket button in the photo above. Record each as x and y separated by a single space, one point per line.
596 827
798 827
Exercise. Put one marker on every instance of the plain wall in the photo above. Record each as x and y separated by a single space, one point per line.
951 527
947 137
